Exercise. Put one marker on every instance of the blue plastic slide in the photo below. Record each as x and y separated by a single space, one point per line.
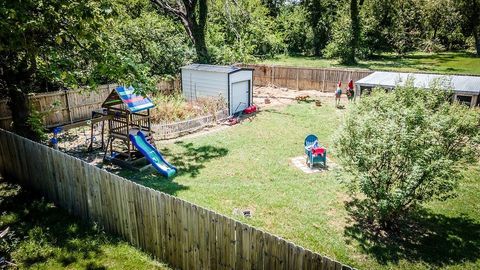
152 155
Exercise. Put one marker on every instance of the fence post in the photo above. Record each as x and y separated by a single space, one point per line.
273 74
323 79
68 106
297 78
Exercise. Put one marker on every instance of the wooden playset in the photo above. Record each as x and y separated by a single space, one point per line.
130 123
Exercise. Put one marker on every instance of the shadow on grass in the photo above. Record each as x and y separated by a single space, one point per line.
434 239
190 160
422 62
278 112
39 231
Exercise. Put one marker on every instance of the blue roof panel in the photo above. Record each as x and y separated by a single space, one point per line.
134 102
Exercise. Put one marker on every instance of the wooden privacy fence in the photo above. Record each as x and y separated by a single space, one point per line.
170 130
69 106
301 78
61 107
172 230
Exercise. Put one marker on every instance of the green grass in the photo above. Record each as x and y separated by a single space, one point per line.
449 62
42 236
248 167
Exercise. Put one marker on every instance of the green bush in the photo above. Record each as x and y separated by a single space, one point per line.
174 107
241 31
341 37
293 23
405 148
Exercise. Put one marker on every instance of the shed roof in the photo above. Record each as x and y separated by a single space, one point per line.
127 96
212 68
465 84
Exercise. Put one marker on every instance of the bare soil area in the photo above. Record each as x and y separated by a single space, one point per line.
272 96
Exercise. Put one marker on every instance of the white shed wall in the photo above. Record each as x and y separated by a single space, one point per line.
197 84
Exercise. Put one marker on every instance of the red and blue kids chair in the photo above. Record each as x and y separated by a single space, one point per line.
315 152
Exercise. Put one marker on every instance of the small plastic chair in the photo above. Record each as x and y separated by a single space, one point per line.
314 156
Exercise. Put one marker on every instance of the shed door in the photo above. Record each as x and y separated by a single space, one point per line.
240 96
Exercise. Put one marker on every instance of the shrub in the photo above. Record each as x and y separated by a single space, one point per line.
241 31
405 148
293 23
339 46
174 107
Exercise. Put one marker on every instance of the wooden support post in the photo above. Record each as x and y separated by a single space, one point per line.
128 132
474 101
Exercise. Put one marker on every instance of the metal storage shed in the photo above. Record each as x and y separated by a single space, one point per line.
466 88
232 83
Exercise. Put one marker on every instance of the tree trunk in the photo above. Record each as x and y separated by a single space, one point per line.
315 14
19 106
201 47
317 43
199 31
355 32
186 12
476 36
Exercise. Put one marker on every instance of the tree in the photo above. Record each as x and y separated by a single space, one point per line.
297 34
46 44
377 22
346 33
193 15
156 43
470 9
443 30
408 30
273 6
241 31
321 14
405 148
355 30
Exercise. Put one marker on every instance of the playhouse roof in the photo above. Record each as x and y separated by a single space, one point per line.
461 84
127 96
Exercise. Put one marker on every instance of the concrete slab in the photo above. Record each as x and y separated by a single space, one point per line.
300 163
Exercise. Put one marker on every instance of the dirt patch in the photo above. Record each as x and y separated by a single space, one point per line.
280 96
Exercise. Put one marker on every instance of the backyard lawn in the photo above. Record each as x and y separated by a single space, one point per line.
449 62
248 167
43 236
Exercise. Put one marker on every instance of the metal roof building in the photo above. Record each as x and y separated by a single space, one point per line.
232 83
466 88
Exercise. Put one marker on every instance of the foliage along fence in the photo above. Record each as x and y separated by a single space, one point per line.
301 78
69 106
170 130
172 230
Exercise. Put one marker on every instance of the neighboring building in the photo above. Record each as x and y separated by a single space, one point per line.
232 83
466 89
